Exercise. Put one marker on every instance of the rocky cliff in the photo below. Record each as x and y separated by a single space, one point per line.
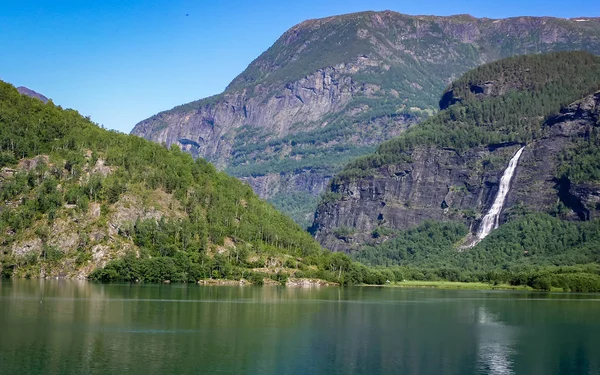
331 89
460 184
539 182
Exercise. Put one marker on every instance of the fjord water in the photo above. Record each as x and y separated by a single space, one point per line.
66 327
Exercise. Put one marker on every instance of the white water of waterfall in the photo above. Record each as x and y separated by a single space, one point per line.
491 219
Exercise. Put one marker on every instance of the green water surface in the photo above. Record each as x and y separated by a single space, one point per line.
68 327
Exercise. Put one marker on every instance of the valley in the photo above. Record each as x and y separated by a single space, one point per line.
368 192
469 186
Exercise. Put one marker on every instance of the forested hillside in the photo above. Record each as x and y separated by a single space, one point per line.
79 201
332 89
76 198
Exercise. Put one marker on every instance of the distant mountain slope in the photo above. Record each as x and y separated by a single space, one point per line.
448 167
332 89
32 94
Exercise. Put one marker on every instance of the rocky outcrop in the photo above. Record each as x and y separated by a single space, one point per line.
28 92
331 85
536 183
312 182
442 184
207 129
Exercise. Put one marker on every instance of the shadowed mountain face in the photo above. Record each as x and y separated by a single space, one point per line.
32 94
331 89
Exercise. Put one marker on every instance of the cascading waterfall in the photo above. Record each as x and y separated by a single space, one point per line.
491 219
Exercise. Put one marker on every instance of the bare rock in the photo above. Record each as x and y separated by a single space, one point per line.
33 246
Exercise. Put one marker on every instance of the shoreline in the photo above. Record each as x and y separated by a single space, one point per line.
455 285
312 283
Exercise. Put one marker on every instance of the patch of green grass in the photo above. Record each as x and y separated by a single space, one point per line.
456 285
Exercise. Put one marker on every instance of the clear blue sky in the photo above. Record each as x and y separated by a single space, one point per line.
121 61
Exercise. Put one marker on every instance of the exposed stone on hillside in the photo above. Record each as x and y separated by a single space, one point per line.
25 91
207 128
535 182
439 184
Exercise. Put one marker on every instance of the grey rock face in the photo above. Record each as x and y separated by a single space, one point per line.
208 130
536 184
436 185
441 184
270 185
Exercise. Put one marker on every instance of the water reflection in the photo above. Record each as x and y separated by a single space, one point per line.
495 347
73 328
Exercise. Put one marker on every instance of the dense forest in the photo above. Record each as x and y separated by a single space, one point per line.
529 248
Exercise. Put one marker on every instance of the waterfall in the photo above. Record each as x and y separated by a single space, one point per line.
491 219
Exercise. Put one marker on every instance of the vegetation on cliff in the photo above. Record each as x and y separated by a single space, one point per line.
522 92
580 163
516 100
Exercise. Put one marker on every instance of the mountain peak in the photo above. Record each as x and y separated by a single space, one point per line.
32 94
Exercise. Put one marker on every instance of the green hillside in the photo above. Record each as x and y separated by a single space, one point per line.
76 198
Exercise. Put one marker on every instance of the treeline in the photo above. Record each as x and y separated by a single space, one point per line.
532 250
581 278
524 73
533 88
334 267
533 239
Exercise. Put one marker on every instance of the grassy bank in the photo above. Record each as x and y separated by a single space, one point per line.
456 285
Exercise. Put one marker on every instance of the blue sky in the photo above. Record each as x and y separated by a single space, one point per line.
123 61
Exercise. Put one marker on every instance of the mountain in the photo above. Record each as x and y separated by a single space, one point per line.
417 199
32 94
332 89
79 201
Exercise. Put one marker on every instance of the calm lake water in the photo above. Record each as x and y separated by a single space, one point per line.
67 327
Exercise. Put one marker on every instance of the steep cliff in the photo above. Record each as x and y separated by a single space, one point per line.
332 89
448 167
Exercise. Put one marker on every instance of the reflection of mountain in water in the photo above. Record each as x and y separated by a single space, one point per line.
495 346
